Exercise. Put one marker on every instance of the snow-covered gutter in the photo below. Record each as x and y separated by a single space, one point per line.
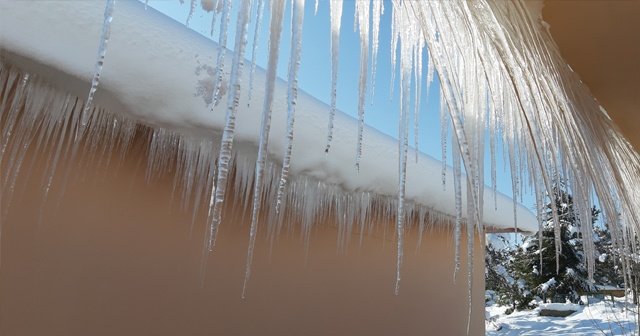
159 73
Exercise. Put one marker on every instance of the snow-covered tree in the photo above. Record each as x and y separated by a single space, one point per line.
608 270
611 259
566 276
499 278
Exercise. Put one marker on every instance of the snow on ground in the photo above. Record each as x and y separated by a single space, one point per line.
598 318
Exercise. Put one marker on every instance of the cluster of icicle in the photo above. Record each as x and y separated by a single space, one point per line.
40 118
501 77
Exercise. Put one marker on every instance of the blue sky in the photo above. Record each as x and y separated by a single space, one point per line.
315 72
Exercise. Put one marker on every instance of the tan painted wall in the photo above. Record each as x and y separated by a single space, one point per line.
117 259
599 39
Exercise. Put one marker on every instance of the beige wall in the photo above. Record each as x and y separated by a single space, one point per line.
599 39
117 259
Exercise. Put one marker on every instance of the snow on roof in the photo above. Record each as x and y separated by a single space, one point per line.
160 74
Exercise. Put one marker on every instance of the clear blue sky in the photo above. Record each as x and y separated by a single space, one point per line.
315 72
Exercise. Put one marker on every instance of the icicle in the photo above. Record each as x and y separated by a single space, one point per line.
256 39
395 27
226 144
417 59
297 21
470 253
362 12
335 7
378 10
457 176
315 11
275 34
146 4
216 9
406 60
222 46
192 10
492 148
102 51
444 125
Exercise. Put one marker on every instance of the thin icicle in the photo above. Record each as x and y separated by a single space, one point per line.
395 27
275 34
444 125
216 9
146 4
102 52
315 11
378 10
362 12
297 21
256 40
457 177
335 6
222 46
192 10
417 71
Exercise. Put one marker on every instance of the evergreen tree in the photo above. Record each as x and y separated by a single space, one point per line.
499 278
608 270
547 280
496 263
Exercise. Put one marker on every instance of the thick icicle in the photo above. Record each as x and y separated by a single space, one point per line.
292 93
362 11
102 52
335 7
226 144
275 34
256 40
406 62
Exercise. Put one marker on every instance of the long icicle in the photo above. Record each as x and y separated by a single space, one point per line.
362 11
275 34
256 40
406 61
335 7
297 22
222 46
378 10
226 144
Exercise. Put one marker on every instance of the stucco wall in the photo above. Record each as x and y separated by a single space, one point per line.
117 258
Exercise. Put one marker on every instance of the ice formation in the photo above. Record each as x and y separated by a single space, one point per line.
501 77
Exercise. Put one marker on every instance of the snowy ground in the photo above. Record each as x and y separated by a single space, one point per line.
599 318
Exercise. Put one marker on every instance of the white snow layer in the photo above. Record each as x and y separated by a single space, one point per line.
560 306
161 74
